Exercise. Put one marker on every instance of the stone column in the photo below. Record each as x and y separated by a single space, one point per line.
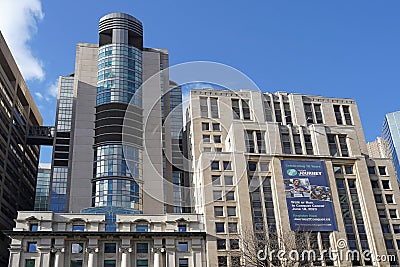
125 255
157 251
90 259
15 256
57 257
92 252
44 256
157 258
170 252
193 259
170 258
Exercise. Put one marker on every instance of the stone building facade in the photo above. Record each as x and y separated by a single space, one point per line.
238 142
60 239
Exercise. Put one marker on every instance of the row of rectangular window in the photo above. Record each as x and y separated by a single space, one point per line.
228 196
386 228
379 199
390 245
241 109
81 228
209 149
385 184
110 263
342 111
261 166
205 102
207 138
223 261
338 145
219 211
216 180
313 113
233 244
78 248
226 165
220 227
298 146
255 141
343 169
381 170
205 126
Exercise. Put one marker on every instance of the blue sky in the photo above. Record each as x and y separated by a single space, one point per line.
332 48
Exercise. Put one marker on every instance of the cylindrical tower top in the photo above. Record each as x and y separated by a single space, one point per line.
120 28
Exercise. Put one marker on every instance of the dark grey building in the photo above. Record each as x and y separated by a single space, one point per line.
18 159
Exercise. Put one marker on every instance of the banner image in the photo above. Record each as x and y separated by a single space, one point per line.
308 196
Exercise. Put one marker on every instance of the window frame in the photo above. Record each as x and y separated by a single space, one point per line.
82 247
31 247
185 247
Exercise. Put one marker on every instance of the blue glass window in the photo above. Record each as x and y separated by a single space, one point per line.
183 246
182 228
34 227
142 228
78 228
119 74
32 247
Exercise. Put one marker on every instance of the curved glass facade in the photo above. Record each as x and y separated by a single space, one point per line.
117 160
117 193
119 74
124 163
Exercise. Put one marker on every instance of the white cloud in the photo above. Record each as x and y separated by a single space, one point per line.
18 23
39 95
53 89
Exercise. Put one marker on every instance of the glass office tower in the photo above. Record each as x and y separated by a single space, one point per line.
58 199
117 165
391 133
42 187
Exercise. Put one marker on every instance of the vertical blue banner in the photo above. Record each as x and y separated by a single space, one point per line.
308 196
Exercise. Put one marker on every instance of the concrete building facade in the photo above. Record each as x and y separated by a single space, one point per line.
379 148
18 157
238 142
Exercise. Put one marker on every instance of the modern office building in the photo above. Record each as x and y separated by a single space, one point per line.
42 187
265 165
113 157
290 169
18 158
391 133
60 165
102 114
176 182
